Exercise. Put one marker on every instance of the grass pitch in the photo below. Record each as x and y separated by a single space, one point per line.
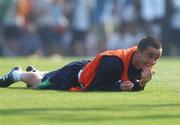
158 104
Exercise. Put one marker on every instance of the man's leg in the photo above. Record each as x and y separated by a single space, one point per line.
30 69
33 69
16 74
32 79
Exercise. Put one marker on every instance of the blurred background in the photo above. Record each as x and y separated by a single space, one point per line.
85 27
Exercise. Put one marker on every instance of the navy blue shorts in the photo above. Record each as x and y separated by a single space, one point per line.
63 78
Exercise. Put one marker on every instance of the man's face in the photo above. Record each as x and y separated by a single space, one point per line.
149 57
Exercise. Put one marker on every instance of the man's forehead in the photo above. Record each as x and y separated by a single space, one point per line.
154 51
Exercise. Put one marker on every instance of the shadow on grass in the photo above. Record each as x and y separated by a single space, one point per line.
21 88
94 114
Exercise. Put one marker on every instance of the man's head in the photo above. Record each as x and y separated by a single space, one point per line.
148 52
149 42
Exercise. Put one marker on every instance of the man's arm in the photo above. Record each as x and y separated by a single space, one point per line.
107 75
146 76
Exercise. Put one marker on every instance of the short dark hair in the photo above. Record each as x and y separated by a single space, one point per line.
149 41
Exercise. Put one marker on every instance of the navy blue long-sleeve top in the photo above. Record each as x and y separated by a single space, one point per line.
109 72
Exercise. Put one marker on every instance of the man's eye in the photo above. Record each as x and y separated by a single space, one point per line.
150 56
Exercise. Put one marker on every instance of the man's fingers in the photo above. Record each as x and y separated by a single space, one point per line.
147 74
147 71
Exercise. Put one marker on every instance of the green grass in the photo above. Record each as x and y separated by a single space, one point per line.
158 104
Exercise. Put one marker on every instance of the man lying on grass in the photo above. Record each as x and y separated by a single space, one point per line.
114 70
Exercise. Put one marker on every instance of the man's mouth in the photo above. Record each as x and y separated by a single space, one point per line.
148 65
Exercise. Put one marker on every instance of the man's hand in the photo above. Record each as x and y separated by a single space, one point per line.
126 86
146 76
